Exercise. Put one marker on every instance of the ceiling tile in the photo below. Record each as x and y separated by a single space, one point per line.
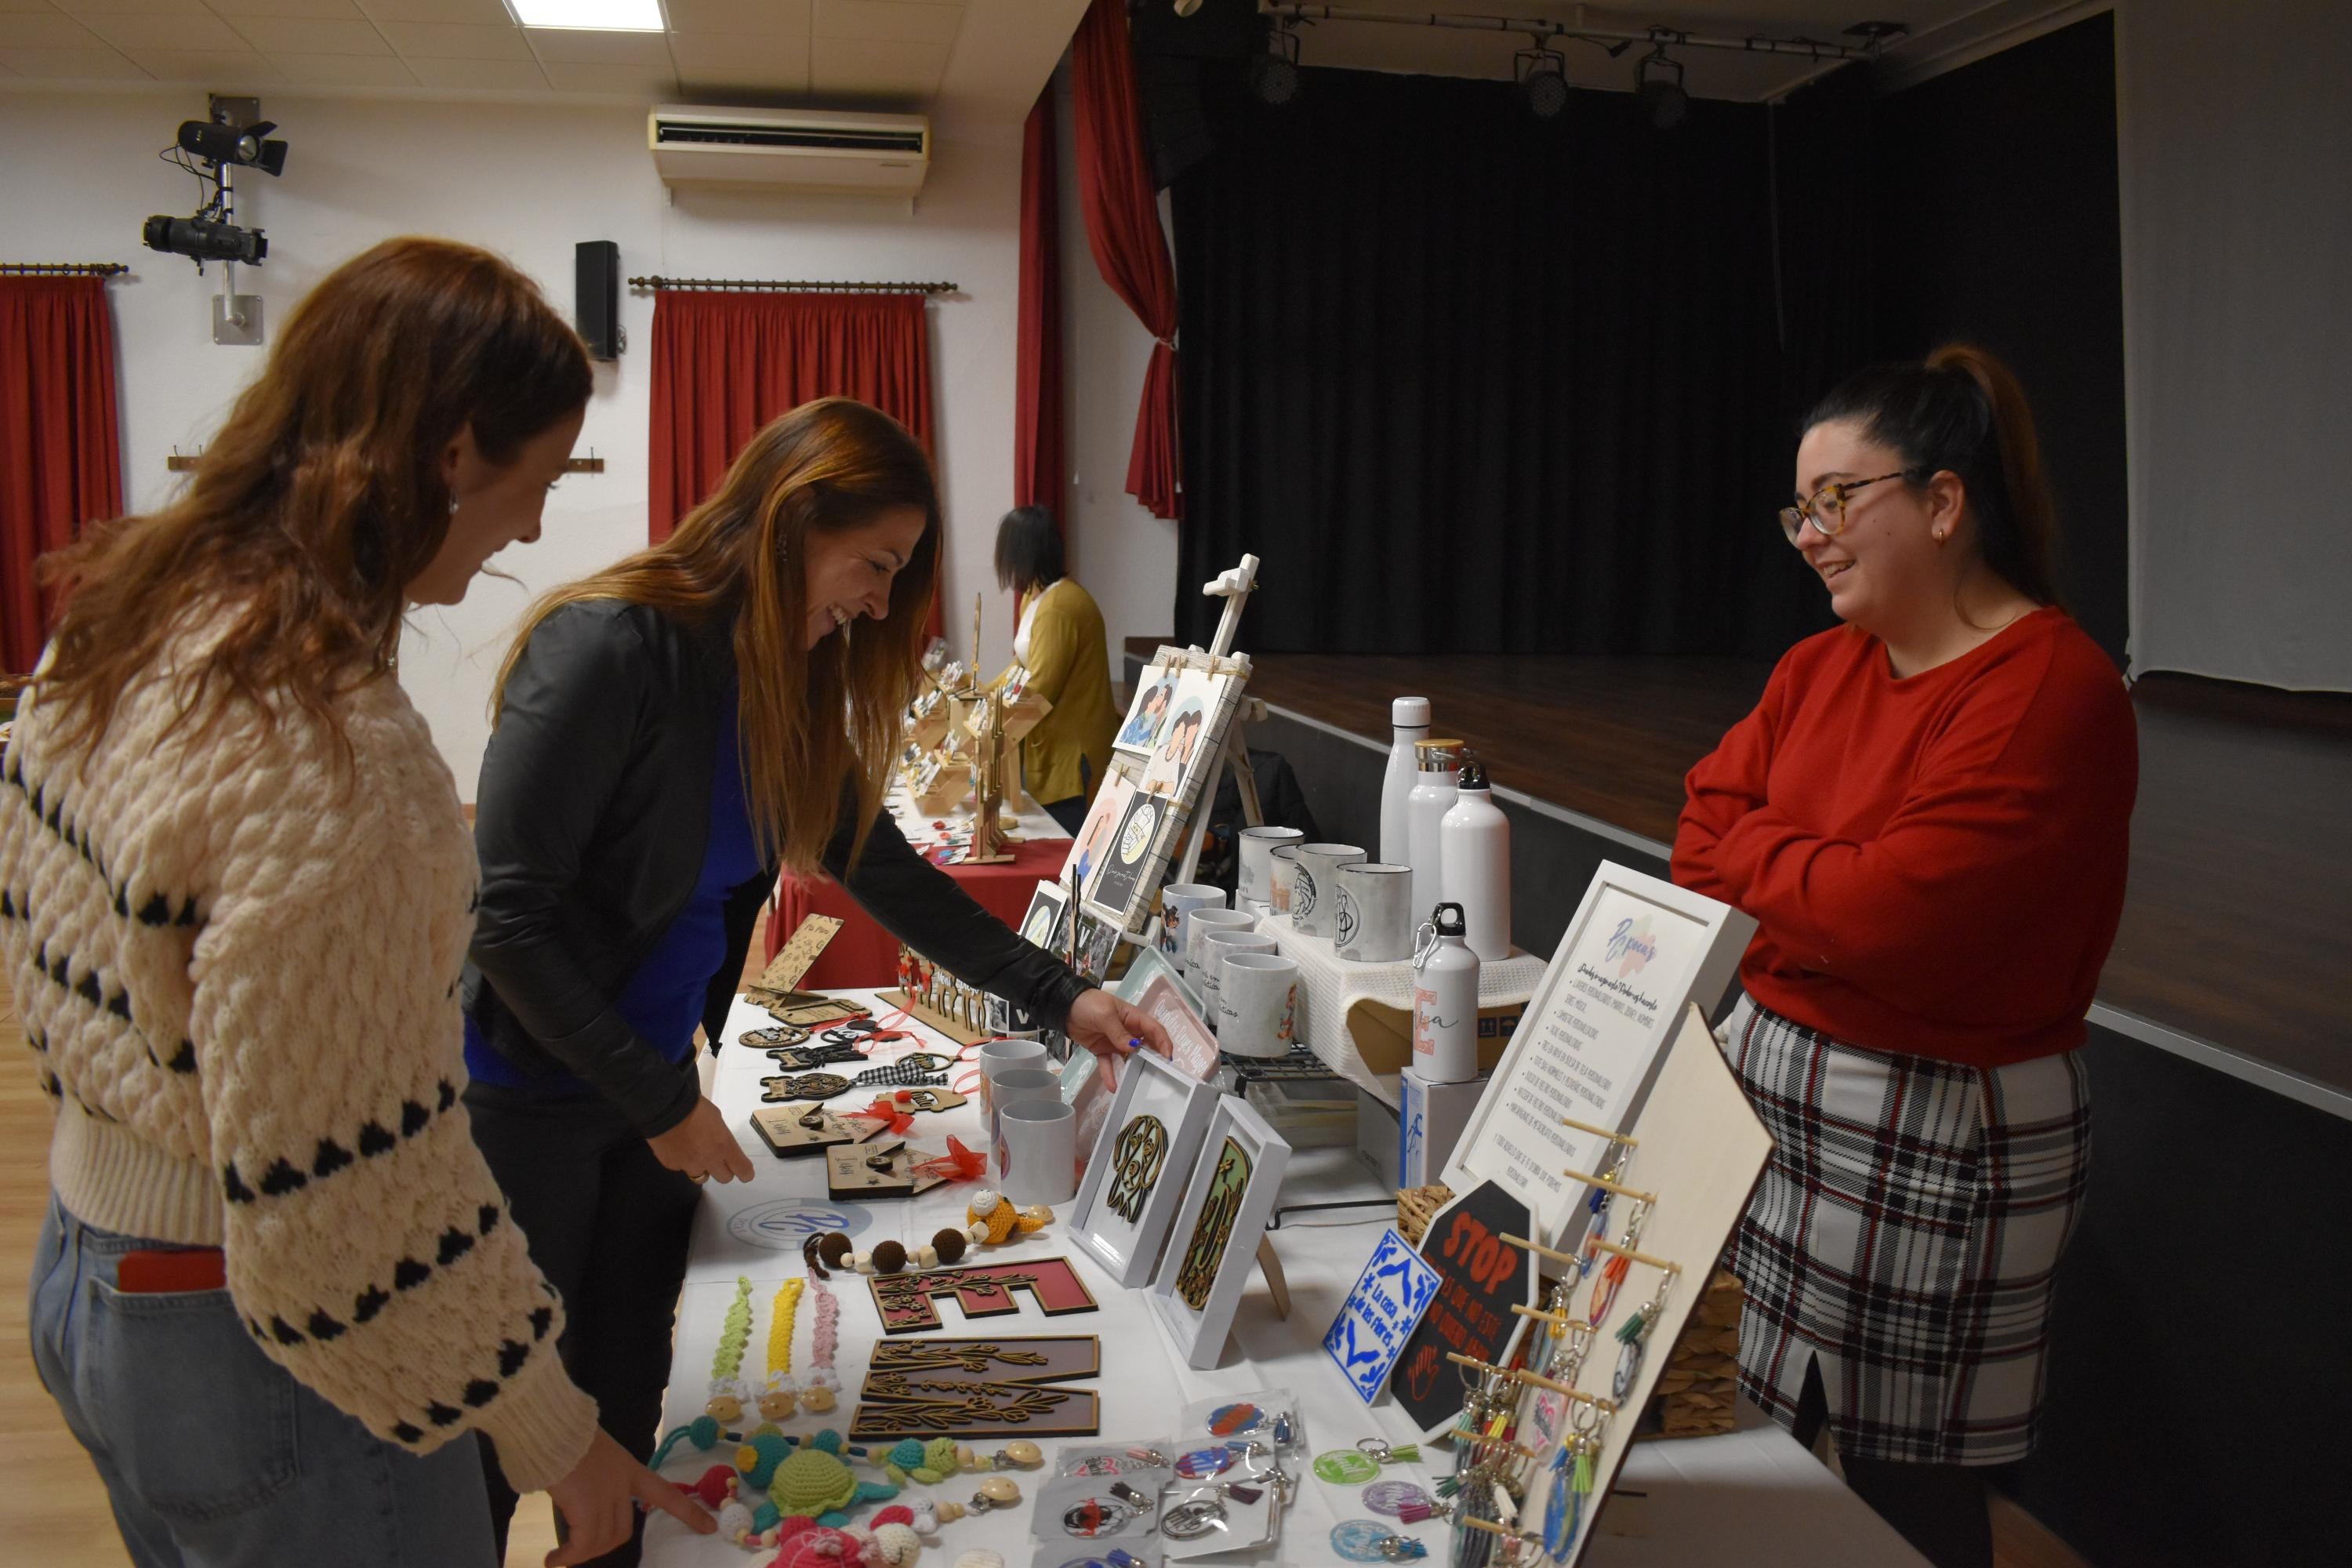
715 56
768 18
895 20
347 10
221 70
311 34
206 32
71 65
342 70
455 41
34 30
482 11
652 83
876 67
481 76
590 47
133 7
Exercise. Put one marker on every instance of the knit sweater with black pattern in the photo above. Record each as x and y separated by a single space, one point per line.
236 962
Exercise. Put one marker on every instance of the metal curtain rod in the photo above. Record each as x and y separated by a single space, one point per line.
1812 48
764 283
62 268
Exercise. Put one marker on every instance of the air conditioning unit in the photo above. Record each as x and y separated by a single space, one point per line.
886 154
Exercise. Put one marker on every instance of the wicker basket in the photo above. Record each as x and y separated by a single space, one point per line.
1698 1392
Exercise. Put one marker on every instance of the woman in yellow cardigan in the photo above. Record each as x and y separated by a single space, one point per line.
1060 642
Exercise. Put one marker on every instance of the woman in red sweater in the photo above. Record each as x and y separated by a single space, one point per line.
1928 816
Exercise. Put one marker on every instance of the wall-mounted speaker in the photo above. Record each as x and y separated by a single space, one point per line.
597 296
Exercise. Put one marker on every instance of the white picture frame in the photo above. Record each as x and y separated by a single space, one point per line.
1129 1250
1199 1332
1588 1045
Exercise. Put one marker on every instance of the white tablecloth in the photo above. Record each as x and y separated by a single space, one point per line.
1751 1497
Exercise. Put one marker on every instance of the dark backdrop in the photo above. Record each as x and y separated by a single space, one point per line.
1473 382
1997 220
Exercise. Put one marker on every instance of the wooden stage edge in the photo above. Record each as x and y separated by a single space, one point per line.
2237 931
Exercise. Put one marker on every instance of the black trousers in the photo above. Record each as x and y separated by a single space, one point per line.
1071 813
608 1224
1943 1510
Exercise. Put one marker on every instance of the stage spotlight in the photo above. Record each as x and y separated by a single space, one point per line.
1664 101
205 240
1543 80
1274 75
229 145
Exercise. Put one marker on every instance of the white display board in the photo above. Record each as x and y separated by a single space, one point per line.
1213 1243
1637 953
1129 1246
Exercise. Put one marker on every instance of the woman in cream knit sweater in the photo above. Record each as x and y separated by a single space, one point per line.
279 1291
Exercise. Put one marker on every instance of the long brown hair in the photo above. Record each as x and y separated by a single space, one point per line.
810 719
322 495
1963 410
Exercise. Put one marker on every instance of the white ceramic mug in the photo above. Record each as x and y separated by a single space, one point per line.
1021 1085
1178 901
1005 1056
1375 919
1258 1005
1219 945
1258 844
1202 923
1281 871
1037 1153
1314 886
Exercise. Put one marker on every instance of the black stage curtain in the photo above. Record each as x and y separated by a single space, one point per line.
1473 382
1997 221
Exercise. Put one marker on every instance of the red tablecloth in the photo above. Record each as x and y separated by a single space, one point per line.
862 953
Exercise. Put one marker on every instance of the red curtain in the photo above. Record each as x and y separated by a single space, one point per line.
1039 472
725 364
1122 214
60 453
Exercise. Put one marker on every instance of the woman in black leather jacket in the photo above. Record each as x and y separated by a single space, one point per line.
670 731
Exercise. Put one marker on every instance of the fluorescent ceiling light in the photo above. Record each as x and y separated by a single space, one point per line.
605 15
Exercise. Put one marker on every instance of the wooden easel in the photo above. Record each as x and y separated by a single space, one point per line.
1234 587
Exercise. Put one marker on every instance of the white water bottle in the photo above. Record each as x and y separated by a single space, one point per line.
1410 716
1474 843
1444 1000
1433 796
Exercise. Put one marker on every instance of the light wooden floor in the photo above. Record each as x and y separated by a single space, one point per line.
53 1511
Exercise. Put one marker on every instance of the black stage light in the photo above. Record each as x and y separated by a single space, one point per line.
1664 101
205 240
1274 75
1543 81
217 144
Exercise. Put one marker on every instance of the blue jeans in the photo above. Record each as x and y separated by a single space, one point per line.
212 1454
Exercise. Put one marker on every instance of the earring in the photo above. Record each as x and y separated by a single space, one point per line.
453 510
1939 532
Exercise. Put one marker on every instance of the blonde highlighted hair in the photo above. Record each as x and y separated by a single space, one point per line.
814 722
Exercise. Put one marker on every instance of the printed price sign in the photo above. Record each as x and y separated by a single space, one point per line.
1395 1288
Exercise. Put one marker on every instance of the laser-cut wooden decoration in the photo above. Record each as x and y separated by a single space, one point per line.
909 1303
979 1388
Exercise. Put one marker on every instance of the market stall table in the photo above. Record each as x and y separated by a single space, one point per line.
862 953
1751 1496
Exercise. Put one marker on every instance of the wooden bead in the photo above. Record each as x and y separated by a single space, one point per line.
977 1231
948 1512
926 1257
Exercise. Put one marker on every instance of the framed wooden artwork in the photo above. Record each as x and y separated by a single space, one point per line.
1141 1162
1212 1246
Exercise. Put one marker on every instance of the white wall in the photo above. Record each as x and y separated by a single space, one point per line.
526 182
1125 556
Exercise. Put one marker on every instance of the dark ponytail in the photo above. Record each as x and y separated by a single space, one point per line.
1963 410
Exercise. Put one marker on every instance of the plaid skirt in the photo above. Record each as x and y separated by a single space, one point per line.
1905 1235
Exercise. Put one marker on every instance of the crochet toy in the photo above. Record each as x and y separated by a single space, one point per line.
727 1390
816 1481
911 1458
704 1432
776 1400
992 1218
